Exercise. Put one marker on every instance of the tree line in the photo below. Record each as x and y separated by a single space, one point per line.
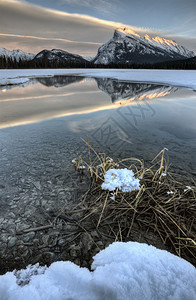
12 63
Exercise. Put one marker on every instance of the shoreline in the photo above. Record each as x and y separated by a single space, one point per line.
38 181
51 230
181 78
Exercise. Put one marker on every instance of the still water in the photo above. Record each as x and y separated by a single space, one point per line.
42 123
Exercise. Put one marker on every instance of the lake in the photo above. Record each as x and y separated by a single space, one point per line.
42 126
122 119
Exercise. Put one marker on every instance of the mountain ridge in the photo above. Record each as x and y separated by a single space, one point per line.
126 47
16 54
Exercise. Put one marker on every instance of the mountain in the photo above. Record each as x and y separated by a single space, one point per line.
124 92
59 81
88 58
127 47
16 54
58 56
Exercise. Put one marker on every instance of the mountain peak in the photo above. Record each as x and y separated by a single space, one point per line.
127 31
123 32
127 47
156 41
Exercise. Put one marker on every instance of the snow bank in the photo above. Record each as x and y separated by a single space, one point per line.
121 271
185 78
123 179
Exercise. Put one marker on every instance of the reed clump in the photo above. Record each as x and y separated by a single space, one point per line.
162 212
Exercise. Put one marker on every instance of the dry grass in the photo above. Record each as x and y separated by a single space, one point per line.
163 207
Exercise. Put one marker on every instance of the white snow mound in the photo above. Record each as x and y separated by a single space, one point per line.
122 271
123 179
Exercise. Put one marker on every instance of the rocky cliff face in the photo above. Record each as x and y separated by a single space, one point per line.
126 46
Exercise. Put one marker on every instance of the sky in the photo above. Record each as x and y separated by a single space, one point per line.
82 26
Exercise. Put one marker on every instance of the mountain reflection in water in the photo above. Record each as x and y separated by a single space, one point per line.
120 92
51 97
59 81
123 92
127 120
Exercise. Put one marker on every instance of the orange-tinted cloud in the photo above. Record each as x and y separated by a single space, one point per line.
32 28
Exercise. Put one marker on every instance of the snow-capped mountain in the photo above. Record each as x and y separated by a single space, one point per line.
127 46
57 55
16 54
124 92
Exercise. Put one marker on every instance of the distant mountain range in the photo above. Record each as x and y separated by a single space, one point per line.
126 47
16 54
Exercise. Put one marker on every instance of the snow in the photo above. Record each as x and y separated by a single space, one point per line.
17 54
170 192
187 188
88 58
127 31
120 272
130 42
184 78
82 167
168 45
23 277
121 179
13 81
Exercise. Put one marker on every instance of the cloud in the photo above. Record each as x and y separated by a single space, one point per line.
188 42
33 28
104 6
35 44
27 23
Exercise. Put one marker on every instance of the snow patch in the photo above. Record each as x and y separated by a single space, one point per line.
170 192
16 54
122 179
123 271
